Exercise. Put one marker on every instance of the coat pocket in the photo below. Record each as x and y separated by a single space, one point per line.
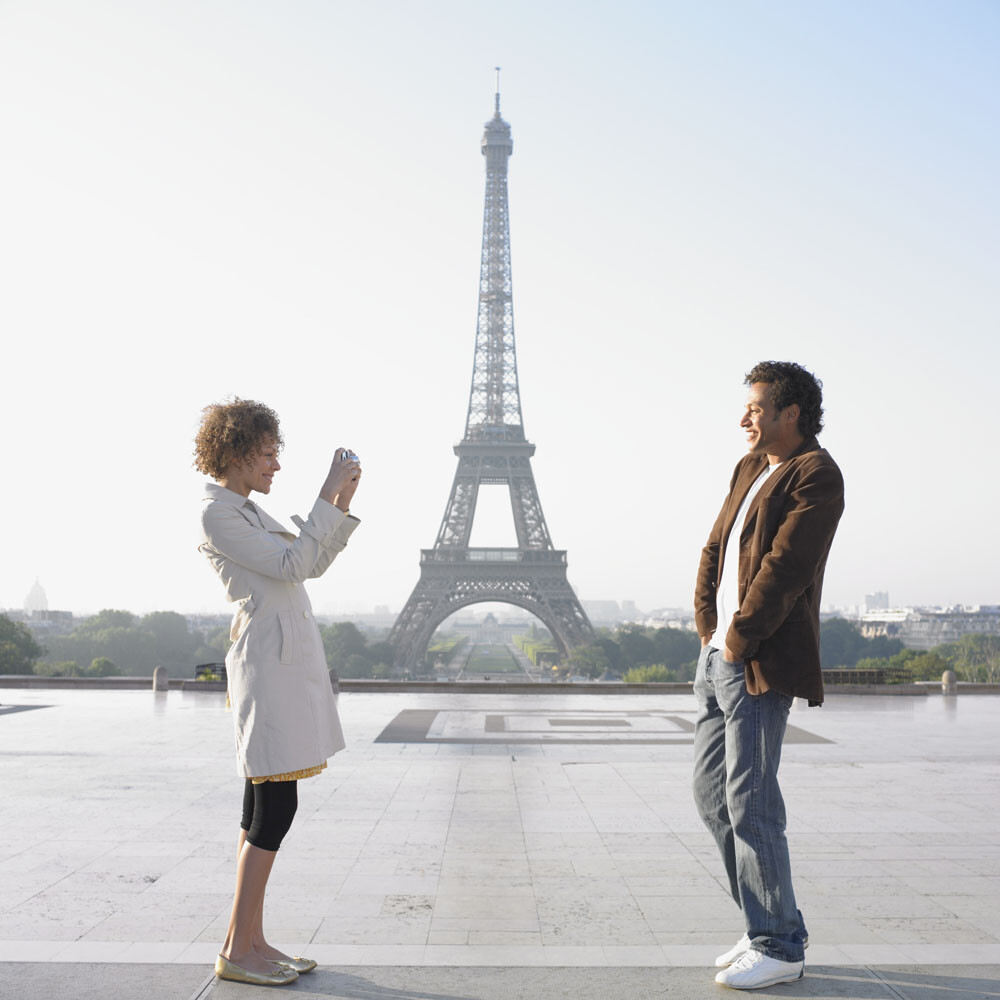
287 636
241 618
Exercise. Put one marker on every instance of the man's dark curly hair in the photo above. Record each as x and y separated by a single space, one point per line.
233 432
791 383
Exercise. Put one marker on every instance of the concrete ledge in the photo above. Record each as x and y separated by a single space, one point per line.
963 687
106 683
910 689
513 687
359 685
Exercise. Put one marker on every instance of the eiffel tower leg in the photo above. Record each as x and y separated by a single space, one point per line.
536 582
529 522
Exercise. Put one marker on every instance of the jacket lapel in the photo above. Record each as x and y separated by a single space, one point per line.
771 484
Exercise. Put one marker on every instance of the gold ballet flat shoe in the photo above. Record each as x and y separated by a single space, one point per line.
298 963
225 969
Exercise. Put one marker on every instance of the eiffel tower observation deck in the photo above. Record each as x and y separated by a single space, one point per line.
493 451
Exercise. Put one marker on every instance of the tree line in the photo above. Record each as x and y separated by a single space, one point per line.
115 642
119 642
974 657
640 654
110 643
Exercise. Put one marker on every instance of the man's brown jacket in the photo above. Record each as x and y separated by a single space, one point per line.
784 543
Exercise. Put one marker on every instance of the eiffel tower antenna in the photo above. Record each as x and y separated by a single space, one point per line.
493 451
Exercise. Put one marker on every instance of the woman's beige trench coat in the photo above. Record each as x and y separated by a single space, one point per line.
284 710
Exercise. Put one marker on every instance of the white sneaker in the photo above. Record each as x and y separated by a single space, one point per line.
753 970
728 957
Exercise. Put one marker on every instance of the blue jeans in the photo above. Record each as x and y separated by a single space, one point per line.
737 750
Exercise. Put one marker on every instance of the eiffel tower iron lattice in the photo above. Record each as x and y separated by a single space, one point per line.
493 451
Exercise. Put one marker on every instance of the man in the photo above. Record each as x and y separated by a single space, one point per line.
757 612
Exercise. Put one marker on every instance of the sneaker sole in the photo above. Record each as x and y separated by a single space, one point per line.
766 983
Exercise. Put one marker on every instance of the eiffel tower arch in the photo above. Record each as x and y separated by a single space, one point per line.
493 451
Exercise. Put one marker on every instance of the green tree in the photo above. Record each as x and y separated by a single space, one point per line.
127 645
356 665
106 618
101 666
589 661
652 674
73 647
173 645
636 647
675 647
976 657
381 654
341 641
58 668
841 643
18 649
611 649
213 648
927 666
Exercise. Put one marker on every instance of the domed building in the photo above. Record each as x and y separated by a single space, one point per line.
36 599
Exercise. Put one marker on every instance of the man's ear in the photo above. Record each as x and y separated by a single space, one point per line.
791 413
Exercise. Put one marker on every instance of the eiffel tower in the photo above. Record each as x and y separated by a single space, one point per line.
494 451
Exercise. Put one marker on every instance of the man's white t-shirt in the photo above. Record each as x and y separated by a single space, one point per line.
727 598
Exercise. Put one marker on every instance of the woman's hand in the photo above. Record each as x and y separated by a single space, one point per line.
341 480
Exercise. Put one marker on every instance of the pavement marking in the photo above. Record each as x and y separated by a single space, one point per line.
547 726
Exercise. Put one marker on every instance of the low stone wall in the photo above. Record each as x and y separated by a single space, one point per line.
104 683
468 687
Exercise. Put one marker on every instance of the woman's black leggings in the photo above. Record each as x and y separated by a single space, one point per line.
268 809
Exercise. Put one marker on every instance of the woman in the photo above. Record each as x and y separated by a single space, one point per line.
284 710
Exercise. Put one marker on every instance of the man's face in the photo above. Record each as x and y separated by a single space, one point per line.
769 431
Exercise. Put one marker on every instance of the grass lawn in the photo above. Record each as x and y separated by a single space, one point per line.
492 660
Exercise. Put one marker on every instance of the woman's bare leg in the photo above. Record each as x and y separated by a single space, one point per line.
260 945
253 866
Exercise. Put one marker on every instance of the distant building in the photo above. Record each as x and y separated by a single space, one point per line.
879 601
682 618
36 599
603 612
925 628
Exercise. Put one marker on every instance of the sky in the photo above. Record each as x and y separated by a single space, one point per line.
283 201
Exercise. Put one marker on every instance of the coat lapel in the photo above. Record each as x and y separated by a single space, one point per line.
771 484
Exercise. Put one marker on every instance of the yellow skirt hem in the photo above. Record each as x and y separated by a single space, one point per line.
305 772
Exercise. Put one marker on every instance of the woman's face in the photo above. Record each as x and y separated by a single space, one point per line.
263 467
257 474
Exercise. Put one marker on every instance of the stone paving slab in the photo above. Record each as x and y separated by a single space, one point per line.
120 811
29 981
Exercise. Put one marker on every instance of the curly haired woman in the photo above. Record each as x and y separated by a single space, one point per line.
284 710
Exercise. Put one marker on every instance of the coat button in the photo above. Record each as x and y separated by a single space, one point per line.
305 614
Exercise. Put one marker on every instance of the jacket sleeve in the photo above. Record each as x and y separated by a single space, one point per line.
228 532
799 547
332 545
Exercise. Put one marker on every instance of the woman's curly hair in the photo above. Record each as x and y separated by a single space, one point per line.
791 383
233 432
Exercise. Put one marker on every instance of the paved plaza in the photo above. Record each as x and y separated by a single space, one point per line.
491 845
